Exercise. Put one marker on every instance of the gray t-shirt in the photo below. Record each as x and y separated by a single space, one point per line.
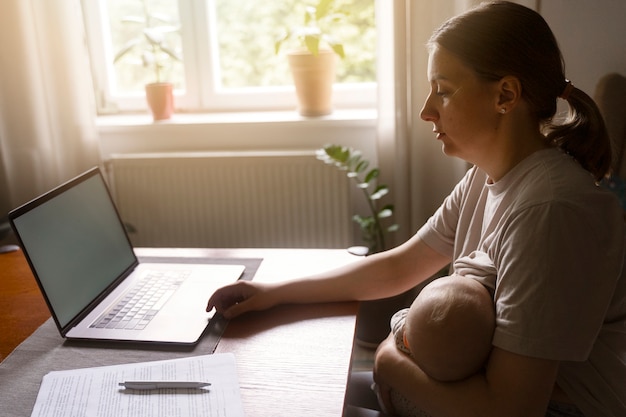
551 244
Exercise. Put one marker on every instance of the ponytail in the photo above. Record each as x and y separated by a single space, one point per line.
583 134
483 39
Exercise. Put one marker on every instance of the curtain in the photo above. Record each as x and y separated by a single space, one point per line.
47 113
410 158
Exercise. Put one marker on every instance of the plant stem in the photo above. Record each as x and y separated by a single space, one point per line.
155 50
345 158
380 242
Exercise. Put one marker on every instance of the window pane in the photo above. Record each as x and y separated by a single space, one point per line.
146 44
247 31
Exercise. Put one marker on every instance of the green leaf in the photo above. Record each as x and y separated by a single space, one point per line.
125 49
312 44
309 14
364 222
384 213
346 158
321 154
153 36
338 16
280 40
389 207
338 153
133 19
358 220
354 159
334 151
172 54
162 17
345 154
380 192
362 166
374 173
338 48
147 58
323 9
329 149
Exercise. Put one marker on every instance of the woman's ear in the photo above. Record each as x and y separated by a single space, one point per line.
509 93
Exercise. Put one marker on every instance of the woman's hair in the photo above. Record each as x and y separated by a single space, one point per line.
501 38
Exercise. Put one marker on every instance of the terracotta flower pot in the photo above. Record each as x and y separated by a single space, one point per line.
160 99
313 77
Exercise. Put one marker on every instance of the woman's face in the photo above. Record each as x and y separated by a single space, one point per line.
462 107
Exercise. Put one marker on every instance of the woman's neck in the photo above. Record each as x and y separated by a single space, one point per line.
518 139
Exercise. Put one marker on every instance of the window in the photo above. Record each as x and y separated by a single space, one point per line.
218 53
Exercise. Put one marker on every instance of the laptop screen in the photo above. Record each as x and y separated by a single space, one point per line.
75 242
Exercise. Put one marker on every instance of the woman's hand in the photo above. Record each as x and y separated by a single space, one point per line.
241 297
512 385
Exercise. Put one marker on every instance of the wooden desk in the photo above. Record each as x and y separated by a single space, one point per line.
291 360
22 307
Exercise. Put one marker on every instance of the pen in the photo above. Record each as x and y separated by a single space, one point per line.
162 384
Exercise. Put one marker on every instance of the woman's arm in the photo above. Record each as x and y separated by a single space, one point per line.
513 385
377 276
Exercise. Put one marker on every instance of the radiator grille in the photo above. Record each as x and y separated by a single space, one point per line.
232 200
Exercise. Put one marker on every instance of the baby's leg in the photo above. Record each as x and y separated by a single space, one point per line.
405 408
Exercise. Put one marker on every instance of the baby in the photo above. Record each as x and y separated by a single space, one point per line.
447 331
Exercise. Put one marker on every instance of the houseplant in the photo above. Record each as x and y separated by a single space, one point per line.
373 316
313 62
152 48
366 179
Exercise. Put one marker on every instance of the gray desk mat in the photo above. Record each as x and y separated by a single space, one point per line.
45 350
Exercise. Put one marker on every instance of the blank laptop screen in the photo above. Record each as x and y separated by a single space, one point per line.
76 245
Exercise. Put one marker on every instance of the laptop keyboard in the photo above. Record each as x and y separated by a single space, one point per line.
143 301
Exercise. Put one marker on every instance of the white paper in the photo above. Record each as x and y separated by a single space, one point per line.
94 392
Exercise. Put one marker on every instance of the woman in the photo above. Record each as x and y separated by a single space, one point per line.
529 213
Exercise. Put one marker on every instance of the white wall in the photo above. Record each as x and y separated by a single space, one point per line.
592 37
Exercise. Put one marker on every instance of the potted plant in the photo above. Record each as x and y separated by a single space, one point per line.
313 63
155 53
366 179
373 316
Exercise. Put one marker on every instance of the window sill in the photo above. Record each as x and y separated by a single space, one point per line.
367 116
258 131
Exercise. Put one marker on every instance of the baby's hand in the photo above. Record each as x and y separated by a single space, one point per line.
398 321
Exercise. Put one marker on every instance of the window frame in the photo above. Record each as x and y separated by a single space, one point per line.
202 93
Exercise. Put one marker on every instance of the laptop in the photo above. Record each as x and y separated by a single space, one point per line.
81 256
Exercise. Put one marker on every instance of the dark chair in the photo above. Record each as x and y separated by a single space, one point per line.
5 231
610 95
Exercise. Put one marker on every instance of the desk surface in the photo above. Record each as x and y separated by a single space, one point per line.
291 360
22 307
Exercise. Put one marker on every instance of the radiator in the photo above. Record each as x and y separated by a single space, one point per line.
288 200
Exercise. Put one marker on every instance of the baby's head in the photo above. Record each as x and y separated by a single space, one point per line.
449 328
